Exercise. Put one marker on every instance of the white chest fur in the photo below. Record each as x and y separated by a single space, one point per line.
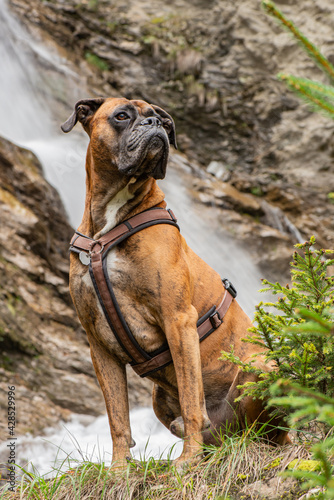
114 205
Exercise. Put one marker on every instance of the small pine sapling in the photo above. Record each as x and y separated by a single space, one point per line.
292 336
306 405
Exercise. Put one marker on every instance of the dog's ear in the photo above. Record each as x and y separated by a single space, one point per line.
168 124
83 110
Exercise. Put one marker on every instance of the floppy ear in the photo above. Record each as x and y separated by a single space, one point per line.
168 124
83 110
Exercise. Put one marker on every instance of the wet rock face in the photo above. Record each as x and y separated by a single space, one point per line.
34 207
212 65
43 348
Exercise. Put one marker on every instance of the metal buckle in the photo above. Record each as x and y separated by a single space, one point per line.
229 287
215 320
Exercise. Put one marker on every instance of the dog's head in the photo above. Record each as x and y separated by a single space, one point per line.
132 135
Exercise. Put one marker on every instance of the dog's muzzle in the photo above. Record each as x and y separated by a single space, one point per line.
146 150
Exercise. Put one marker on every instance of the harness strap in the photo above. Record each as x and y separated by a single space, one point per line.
156 215
94 253
112 313
204 330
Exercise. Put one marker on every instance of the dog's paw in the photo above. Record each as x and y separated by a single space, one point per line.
120 465
206 424
184 463
177 426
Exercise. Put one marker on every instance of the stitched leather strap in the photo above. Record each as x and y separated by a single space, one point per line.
156 215
115 322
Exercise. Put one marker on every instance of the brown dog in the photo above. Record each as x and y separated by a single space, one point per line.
161 285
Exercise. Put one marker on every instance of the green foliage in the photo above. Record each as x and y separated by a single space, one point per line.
257 191
96 61
330 196
310 405
93 4
297 337
307 405
320 97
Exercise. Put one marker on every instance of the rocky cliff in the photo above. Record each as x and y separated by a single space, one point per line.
43 349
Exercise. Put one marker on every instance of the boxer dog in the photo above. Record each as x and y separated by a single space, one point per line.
161 285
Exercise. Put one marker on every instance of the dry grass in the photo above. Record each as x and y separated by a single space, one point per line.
224 473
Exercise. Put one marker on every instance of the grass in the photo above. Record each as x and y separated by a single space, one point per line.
223 473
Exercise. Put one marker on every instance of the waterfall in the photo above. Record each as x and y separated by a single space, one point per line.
30 76
87 438
27 109
23 116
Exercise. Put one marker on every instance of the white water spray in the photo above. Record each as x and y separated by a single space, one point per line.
29 76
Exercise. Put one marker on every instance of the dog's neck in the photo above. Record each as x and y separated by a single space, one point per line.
111 198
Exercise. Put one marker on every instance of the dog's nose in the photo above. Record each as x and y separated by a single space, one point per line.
152 121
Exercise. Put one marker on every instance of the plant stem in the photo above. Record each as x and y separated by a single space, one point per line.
271 8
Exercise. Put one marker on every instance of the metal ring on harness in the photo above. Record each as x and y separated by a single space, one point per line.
93 245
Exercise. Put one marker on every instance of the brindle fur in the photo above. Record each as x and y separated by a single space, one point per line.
161 285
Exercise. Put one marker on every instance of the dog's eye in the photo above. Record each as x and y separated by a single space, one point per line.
122 116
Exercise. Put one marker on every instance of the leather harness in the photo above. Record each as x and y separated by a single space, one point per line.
94 253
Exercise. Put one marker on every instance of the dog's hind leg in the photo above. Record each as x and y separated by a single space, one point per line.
168 411
166 408
248 413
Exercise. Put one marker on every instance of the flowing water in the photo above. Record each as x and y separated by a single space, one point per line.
34 82
29 73
88 438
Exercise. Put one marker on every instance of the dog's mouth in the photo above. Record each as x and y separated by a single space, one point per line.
147 154
155 162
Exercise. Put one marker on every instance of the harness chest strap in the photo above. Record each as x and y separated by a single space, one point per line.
110 311
97 250
148 218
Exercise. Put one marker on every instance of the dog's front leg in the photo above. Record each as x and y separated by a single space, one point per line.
111 375
183 342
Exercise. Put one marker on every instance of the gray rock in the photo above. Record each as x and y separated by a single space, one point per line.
274 489
219 170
